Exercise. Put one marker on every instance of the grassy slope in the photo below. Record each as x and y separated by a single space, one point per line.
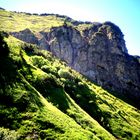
45 98
25 113
42 97
15 22
11 21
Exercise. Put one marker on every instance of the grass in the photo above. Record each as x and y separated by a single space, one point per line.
12 21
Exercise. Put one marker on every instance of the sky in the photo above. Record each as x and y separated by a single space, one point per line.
124 13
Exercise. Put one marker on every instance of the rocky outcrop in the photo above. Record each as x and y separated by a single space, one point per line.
26 35
98 52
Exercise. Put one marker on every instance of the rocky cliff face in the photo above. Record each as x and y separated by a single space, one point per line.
98 52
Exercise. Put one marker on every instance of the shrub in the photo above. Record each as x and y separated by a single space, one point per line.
9 117
65 74
49 69
29 48
38 61
46 68
23 102
6 134
4 50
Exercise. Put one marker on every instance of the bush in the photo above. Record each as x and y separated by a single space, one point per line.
6 134
9 117
46 68
30 49
65 74
49 69
38 61
4 50
23 102
47 84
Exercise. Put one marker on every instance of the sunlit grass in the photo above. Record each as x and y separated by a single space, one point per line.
11 22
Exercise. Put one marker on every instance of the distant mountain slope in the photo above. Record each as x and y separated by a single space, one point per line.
42 98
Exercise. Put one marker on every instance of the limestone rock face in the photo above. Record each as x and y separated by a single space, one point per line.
26 35
98 52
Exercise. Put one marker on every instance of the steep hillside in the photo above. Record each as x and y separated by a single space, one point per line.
96 50
43 98
25 113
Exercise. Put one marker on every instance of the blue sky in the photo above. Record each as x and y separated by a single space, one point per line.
124 13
